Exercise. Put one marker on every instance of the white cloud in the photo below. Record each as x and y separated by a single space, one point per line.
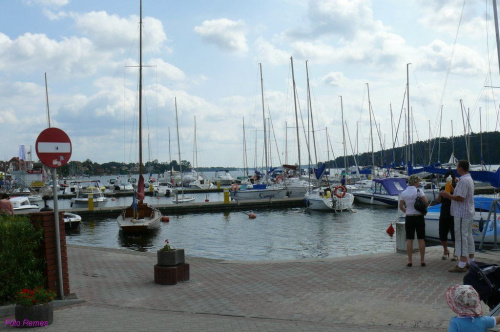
268 53
111 31
333 78
48 3
436 57
226 34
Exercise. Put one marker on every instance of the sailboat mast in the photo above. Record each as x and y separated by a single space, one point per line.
310 112
47 99
408 148
296 116
178 141
140 90
263 117
371 129
245 161
343 135
496 30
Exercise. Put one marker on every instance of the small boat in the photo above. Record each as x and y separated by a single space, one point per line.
223 177
258 191
139 217
22 205
85 190
182 199
71 221
384 192
322 199
163 188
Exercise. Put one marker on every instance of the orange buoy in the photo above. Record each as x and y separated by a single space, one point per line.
113 199
252 215
390 230
165 219
206 199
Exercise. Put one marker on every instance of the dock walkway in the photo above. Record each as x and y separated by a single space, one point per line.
374 292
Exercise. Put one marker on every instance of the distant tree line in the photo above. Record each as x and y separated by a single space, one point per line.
483 148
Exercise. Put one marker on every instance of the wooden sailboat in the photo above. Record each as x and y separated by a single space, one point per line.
139 217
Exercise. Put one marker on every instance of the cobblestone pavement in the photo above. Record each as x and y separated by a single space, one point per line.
359 293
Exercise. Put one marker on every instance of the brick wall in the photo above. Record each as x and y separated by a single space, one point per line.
45 220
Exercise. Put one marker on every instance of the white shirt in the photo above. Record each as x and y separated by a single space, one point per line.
409 195
465 189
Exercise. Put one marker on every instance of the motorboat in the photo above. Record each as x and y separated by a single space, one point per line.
384 192
22 205
181 199
163 189
223 177
85 190
201 184
259 191
322 199
483 221
71 221
116 185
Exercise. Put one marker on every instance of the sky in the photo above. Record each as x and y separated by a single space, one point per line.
207 56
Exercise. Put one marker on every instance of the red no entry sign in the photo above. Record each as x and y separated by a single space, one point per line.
53 147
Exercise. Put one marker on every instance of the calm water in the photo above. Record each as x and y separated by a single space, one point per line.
274 235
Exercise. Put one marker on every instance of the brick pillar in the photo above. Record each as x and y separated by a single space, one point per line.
45 220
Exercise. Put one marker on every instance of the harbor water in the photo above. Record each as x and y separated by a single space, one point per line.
276 234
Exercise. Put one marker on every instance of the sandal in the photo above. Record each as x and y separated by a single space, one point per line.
422 264
409 264
447 254
454 258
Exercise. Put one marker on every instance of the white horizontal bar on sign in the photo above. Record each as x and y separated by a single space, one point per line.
55 147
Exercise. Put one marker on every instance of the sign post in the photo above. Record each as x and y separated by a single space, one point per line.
53 148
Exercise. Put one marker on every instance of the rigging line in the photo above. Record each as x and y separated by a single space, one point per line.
489 62
274 135
452 53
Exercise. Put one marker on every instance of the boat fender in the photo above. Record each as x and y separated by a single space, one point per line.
252 215
340 195
279 179
165 219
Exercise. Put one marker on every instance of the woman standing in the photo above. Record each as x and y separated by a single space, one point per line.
446 220
414 220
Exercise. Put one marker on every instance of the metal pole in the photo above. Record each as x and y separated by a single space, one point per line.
58 238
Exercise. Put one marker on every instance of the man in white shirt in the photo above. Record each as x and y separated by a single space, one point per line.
462 208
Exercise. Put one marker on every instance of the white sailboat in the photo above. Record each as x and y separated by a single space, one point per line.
180 199
139 217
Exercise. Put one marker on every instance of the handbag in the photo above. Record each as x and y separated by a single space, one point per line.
420 205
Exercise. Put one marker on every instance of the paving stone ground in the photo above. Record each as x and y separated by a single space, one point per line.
358 293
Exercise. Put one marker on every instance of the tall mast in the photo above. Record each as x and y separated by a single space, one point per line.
392 132
140 90
296 116
496 30
371 129
47 99
343 136
263 117
245 161
178 141
408 148
310 111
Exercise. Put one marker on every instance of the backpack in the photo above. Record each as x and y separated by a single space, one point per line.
420 205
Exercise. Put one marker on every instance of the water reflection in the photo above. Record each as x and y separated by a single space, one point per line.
138 242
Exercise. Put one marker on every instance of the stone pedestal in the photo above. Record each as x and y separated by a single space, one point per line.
401 238
170 275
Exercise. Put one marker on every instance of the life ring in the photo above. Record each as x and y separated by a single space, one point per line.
279 179
344 191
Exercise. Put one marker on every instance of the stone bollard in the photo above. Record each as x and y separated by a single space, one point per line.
171 267
401 238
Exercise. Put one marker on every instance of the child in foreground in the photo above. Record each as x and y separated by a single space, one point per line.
465 302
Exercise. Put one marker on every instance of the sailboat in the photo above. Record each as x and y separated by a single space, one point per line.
139 217
180 199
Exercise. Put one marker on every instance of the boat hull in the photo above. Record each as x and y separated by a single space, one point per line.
256 194
376 199
318 203
144 219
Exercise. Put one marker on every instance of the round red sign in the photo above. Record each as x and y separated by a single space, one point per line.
53 147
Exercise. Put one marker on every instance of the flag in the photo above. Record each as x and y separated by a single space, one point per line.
21 153
140 188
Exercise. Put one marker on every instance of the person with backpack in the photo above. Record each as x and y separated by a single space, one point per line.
414 220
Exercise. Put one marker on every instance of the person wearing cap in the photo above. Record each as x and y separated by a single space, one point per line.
446 220
463 210
465 302
414 220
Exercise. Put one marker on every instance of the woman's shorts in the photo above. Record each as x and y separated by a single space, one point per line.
415 224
